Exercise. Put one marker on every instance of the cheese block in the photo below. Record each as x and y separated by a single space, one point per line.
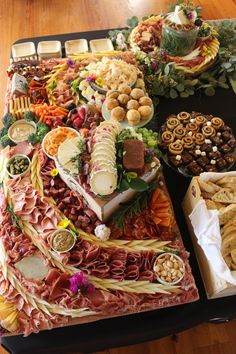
19 85
33 267
105 207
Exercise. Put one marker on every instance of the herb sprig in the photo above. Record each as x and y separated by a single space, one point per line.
14 217
133 207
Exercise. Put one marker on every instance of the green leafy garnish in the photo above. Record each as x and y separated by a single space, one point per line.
134 207
14 217
52 86
77 158
8 120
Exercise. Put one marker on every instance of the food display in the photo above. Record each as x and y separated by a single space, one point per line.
88 228
72 186
178 37
209 207
195 142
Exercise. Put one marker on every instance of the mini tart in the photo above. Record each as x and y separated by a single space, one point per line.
172 122
176 148
217 122
167 137
179 132
208 131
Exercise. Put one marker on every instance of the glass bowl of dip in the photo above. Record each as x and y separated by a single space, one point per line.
20 130
62 240
18 165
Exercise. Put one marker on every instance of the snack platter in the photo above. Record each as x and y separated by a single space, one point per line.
73 183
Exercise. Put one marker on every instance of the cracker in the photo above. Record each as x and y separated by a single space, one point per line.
227 213
224 196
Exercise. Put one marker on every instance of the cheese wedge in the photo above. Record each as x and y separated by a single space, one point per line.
103 182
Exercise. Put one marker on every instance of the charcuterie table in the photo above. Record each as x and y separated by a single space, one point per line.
128 271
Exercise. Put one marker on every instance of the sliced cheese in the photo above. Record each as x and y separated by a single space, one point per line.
101 158
103 182
68 149
32 267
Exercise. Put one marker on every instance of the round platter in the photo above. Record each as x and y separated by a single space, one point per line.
214 154
106 115
201 58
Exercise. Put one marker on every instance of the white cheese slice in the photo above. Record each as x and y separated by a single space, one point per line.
104 166
103 182
67 150
105 145
32 267
101 158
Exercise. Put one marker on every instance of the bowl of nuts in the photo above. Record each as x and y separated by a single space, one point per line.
169 268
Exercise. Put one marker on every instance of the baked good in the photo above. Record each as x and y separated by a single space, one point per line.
118 113
111 103
145 112
123 98
133 117
145 101
137 93
123 88
132 104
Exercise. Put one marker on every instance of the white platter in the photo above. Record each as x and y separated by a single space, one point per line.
124 124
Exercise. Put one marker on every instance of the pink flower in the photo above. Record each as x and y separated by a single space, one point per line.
79 283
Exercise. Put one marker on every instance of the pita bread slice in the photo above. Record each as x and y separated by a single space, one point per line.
227 213
224 196
227 180
208 186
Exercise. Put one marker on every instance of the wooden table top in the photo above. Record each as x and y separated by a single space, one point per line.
21 19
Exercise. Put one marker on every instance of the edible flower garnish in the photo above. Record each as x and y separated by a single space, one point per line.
206 51
54 172
90 78
70 63
79 283
99 82
63 223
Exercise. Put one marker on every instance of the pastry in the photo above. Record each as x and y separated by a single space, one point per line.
208 131
199 138
145 101
123 88
118 113
172 122
137 93
217 122
183 117
145 112
123 98
179 131
132 104
176 147
188 142
111 103
200 120
133 116
112 94
167 137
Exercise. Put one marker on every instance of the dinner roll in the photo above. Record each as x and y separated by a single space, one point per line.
112 94
123 88
118 113
145 101
133 116
145 112
132 104
137 93
111 103
123 98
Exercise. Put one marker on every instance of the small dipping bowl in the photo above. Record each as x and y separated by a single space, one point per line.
20 130
16 161
62 240
169 268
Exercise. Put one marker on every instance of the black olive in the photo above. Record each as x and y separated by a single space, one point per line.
198 22
71 106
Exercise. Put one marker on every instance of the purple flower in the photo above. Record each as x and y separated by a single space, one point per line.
90 288
103 100
164 54
89 78
70 63
154 66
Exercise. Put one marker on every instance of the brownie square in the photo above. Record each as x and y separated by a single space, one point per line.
210 168
186 158
221 163
225 148
194 168
202 161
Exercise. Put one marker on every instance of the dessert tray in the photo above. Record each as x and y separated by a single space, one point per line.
88 228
